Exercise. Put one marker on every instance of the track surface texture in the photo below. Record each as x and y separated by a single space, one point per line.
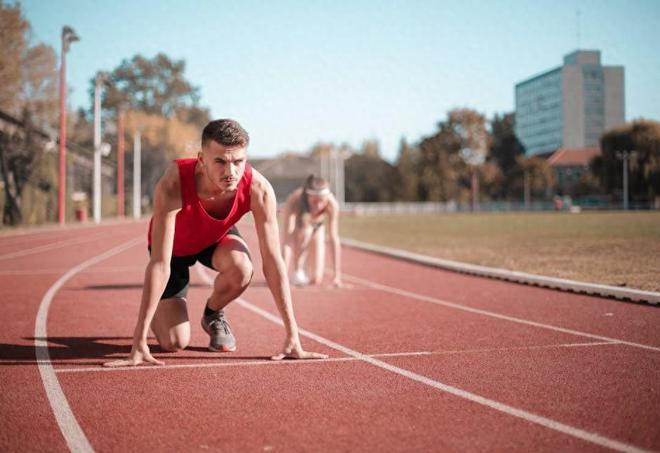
420 360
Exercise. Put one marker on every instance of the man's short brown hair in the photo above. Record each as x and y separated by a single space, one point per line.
225 132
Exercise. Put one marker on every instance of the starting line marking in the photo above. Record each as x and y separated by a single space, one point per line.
505 408
259 362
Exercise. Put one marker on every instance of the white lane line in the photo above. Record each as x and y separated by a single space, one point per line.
510 410
103 270
307 362
433 300
52 246
73 434
118 269
33 272
242 363
505 408
483 350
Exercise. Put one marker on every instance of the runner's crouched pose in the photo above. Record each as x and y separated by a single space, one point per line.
305 213
196 205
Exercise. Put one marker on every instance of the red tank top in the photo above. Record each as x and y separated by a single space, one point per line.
195 228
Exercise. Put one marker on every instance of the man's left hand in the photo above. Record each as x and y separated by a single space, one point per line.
294 350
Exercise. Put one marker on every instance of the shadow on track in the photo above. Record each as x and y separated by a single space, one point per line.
71 350
121 286
64 348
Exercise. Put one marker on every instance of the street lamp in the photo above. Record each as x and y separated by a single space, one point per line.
137 173
120 160
99 148
68 36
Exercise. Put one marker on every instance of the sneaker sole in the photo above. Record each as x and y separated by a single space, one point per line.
222 349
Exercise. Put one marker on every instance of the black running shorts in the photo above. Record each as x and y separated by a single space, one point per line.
177 285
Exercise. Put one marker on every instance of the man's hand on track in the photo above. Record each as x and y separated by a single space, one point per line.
139 354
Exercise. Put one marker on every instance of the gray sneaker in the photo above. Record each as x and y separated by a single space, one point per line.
222 339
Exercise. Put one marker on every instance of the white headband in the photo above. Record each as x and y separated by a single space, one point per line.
324 191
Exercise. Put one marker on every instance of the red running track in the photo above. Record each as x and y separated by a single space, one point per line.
420 360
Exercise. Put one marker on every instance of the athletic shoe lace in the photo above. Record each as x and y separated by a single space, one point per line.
219 324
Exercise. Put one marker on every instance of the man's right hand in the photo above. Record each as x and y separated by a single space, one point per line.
139 354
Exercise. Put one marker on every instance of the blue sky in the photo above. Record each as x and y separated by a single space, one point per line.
298 72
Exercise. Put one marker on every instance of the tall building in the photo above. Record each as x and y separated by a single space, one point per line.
570 106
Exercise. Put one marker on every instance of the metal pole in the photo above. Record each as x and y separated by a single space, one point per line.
335 165
526 189
61 197
626 156
68 36
137 175
341 197
97 150
120 163
324 172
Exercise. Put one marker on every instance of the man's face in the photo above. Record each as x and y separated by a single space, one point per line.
224 165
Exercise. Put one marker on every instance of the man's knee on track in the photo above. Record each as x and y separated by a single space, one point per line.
174 345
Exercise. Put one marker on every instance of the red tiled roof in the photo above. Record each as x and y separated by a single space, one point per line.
573 157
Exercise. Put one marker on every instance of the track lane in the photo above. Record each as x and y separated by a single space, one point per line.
593 315
27 422
111 299
642 379
235 402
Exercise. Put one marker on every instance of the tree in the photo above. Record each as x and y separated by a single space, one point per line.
163 139
156 86
470 126
369 177
407 173
446 156
13 32
505 148
539 174
157 100
28 88
17 162
491 180
40 85
642 137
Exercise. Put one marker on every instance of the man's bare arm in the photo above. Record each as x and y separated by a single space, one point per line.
167 202
264 210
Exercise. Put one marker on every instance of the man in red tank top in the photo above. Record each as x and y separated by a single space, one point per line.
196 205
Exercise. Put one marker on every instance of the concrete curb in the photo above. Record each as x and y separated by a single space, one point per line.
633 295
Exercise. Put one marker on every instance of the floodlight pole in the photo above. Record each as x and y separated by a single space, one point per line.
335 170
97 148
137 175
325 161
120 163
341 187
68 36
526 190
625 156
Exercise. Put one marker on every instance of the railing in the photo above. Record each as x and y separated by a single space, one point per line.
492 206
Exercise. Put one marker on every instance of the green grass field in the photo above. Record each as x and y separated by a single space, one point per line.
612 248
